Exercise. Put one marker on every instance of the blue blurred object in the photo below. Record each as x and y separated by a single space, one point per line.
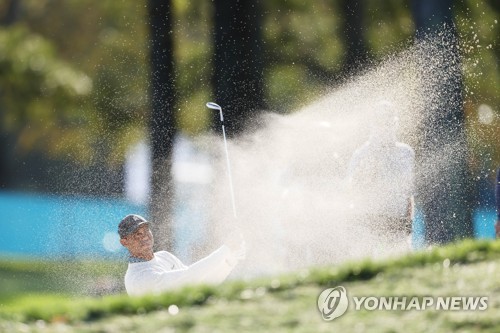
46 226
484 223
497 194
40 225
418 234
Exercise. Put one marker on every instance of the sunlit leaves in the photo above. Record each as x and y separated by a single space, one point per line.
40 93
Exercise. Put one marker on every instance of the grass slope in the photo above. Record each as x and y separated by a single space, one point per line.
287 303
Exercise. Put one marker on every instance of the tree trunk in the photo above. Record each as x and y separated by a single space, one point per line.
11 16
162 122
356 53
446 198
238 69
12 13
5 172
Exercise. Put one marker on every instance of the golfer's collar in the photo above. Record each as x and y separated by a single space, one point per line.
133 260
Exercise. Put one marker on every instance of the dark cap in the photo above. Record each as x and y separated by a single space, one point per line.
129 224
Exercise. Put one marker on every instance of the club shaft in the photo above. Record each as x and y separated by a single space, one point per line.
229 171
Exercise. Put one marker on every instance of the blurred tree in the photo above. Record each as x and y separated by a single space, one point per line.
11 13
40 95
193 44
446 200
301 59
105 40
388 26
479 32
162 123
495 5
238 65
108 41
356 52
303 48
4 169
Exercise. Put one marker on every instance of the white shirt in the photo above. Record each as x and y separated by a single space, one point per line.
165 272
382 175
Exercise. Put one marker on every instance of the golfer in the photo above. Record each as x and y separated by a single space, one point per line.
381 174
155 272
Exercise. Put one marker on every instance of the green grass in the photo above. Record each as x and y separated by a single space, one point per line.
287 302
56 277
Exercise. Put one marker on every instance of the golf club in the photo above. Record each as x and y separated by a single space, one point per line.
215 106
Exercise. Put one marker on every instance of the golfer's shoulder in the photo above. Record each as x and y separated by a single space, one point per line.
405 149
165 255
168 259
361 152
365 147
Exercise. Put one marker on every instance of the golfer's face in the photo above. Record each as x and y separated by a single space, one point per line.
141 240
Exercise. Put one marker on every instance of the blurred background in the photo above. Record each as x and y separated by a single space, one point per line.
101 102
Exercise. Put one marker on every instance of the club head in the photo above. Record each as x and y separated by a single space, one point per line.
215 106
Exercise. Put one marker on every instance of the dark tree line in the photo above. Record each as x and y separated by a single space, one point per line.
237 83
237 77
447 208
162 120
356 54
10 17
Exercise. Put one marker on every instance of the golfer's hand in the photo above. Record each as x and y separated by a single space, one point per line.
236 244
497 229
234 240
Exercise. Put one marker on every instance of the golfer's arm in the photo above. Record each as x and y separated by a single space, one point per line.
218 268
211 269
218 273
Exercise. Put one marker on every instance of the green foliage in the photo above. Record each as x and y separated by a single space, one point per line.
96 102
303 51
54 307
193 55
465 252
60 277
40 94
389 25
108 105
479 26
